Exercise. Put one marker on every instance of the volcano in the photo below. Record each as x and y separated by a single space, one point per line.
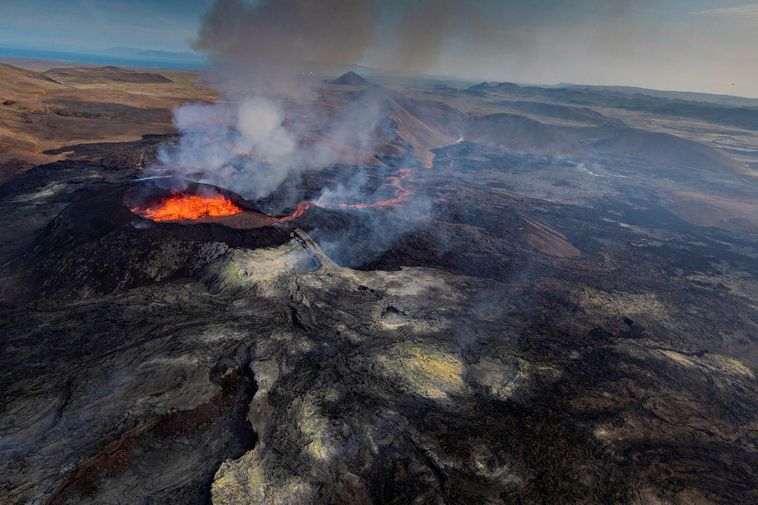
486 321
187 203
350 79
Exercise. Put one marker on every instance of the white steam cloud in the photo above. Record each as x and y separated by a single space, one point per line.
240 145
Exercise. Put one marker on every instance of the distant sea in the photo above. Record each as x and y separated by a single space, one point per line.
105 59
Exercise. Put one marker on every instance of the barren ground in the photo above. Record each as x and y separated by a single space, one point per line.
38 114
563 311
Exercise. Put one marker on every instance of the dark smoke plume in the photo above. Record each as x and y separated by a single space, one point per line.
269 57
266 47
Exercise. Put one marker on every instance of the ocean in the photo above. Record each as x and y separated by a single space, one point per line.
105 59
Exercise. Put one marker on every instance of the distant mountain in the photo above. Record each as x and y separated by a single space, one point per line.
183 56
102 75
663 148
520 134
16 81
485 86
738 116
558 111
350 78
728 100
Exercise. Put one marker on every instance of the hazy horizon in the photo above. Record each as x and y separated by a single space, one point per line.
699 46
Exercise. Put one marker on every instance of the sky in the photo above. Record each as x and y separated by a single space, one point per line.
97 25
688 45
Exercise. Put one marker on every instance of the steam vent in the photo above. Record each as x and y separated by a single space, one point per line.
231 274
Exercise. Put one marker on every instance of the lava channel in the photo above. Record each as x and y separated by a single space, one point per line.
301 209
401 193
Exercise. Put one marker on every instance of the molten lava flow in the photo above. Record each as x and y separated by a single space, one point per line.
302 207
182 206
401 194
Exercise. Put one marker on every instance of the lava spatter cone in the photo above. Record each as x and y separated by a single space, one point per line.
184 202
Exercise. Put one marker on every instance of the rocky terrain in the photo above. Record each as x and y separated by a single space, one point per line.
563 311
45 109
102 75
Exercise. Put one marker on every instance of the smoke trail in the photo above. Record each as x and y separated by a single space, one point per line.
267 47
277 120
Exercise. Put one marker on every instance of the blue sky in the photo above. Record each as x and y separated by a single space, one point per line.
92 25
97 25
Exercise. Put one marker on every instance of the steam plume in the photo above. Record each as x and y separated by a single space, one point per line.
263 55
266 47
276 121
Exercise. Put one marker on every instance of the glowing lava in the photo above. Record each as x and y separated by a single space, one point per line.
302 207
182 206
401 194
